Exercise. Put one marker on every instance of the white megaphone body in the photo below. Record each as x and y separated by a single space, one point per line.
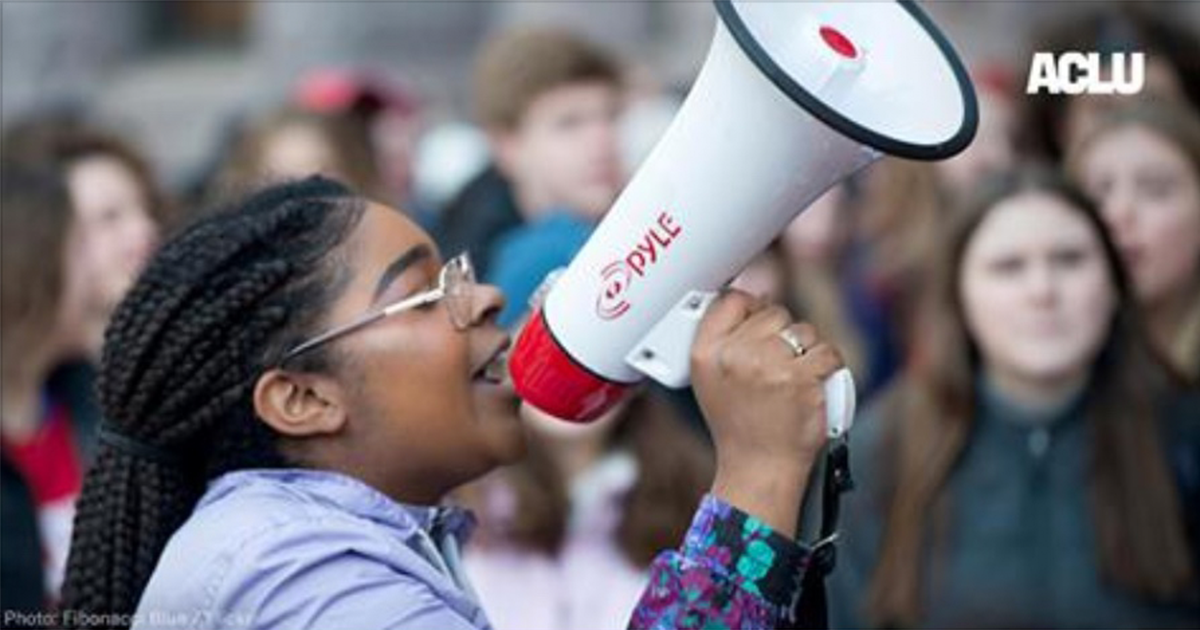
792 98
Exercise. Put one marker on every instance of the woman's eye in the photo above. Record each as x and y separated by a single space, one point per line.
1006 265
1068 257
1157 187
568 122
1098 189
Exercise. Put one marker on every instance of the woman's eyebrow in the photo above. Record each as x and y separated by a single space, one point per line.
415 254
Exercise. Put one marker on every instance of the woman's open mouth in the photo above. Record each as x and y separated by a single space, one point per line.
495 370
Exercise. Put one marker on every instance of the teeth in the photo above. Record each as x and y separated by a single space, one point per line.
495 371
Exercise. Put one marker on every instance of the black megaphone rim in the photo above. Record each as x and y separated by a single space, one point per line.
826 114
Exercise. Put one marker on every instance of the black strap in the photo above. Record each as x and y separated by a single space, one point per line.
137 448
811 610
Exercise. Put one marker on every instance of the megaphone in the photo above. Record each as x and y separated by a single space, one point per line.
793 98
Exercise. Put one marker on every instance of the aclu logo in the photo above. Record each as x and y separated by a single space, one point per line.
1079 73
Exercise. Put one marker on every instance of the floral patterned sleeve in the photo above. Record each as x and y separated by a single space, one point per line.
732 572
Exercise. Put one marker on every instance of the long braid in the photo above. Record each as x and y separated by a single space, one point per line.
213 308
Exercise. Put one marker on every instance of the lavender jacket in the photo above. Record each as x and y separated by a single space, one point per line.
312 549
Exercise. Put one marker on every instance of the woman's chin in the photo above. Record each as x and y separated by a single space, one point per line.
514 449
497 413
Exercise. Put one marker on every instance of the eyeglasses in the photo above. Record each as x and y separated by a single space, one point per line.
455 282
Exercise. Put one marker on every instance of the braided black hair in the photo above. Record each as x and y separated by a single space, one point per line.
216 306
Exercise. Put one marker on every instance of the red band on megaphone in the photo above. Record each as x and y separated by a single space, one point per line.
546 377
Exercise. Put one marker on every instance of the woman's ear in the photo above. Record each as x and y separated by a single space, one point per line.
300 405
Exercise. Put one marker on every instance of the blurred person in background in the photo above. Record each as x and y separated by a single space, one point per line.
448 155
524 257
829 286
81 215
1051 123
289 143
44 306
1142 166
581 519
1034 466
994 147
817 269
386 114
549 102
766 277
115 198
901 208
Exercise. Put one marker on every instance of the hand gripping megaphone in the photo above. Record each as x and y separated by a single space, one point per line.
792 98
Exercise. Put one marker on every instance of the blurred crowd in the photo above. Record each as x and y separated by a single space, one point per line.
1023 322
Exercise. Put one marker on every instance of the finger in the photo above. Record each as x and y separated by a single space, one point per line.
767 322
821 360
725 314
794 340
804 333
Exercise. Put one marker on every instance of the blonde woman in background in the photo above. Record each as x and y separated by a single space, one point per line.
292 143
1142 166
82 214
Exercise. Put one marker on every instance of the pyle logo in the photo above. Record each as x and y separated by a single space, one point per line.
617 276
1077 73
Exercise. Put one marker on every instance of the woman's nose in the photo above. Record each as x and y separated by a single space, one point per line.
1120 214
486 303
144 242
1042 285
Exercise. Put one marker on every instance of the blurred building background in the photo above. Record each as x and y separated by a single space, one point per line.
170 74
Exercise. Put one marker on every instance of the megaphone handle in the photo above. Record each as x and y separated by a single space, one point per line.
663 355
